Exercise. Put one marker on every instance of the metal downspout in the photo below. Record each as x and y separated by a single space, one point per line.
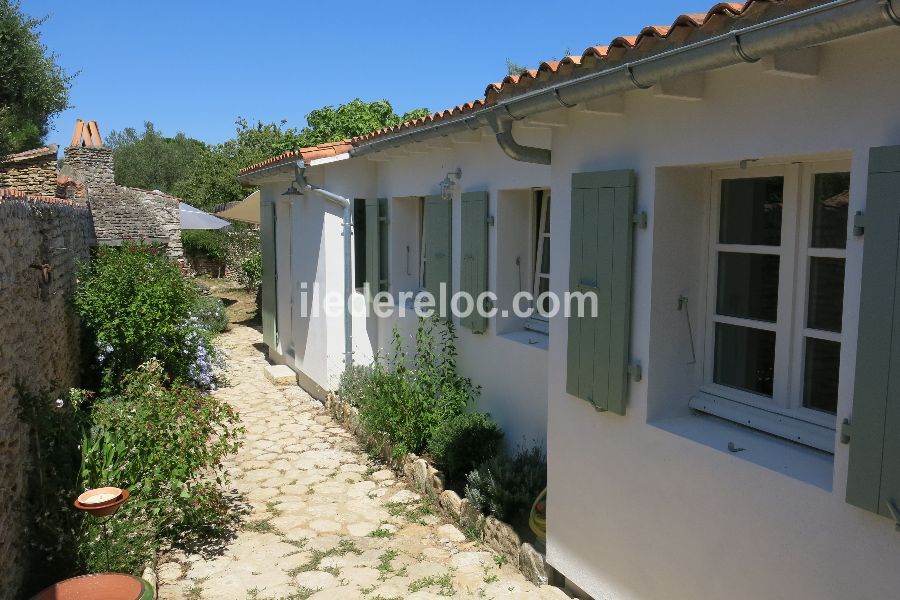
513 149
300 177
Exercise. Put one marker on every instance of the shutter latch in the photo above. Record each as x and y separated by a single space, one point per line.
846 430
634 370
640 220
859 223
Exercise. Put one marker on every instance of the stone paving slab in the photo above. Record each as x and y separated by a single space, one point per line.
325 520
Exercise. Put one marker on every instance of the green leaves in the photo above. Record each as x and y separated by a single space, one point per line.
33 88
407 399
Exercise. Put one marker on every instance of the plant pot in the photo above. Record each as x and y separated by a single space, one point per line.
102 586
101 509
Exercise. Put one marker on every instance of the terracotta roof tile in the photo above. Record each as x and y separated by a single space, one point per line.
14 194
29 154
649 40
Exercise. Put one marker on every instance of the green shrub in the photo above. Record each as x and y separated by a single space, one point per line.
411 397
204 242
137 306
464 442
355 385
251 271
52 470
211 314
165 443
506 487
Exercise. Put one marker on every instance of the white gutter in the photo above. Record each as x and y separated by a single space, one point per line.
344 203
818 24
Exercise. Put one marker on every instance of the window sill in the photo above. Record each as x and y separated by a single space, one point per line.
799 462
532 339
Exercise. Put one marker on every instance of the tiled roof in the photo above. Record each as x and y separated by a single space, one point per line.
30 154
14 194
686 28
307 154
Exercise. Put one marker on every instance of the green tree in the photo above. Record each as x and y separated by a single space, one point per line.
151 161
33 88
213 178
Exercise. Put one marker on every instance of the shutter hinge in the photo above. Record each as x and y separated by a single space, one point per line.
490 220
634 370
846 431
383 220
640 220
859 223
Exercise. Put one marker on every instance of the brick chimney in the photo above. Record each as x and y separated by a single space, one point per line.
87 161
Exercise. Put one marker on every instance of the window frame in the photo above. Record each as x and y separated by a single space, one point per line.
786 403
537 321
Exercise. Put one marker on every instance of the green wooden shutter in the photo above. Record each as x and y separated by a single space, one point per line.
437 244
267 227
601 235
873 480
474 246
383 255
373 247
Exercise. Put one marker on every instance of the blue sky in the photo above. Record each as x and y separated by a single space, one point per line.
196 65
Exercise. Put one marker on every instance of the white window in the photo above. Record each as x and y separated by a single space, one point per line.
541 276
778 246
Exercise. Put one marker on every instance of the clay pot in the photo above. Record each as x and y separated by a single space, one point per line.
105 508
102 586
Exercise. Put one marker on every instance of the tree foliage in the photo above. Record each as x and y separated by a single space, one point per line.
33 88
213 178
152 161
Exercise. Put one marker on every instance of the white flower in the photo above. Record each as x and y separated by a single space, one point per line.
59 403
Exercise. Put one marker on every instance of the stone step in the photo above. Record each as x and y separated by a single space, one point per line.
280 375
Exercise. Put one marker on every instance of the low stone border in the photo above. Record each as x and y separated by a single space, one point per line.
494 533
149 575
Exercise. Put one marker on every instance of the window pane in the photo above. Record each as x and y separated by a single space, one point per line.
545 256
745 358
820 375
543 287
826 293
751 211
547 219
831 198
748 286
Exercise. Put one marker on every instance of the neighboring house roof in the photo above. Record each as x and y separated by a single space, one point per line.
31 154
686 28
132 213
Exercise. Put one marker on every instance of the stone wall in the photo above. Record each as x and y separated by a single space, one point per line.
31 172
92 166
39 338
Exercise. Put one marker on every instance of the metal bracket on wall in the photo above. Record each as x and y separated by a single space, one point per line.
859 223
634 370
490 220
895 513
640 220
846 431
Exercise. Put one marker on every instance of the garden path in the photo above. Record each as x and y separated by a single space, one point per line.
325 520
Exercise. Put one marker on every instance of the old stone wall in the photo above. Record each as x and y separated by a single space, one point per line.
32 172
92 166
39 339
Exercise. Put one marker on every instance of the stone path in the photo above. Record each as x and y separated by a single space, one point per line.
326 521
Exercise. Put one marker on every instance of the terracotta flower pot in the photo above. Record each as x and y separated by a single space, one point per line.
86 501
102 586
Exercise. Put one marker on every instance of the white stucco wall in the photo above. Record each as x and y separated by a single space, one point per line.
635 510
639 506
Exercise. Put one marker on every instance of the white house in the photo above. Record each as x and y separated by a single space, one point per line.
728 425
